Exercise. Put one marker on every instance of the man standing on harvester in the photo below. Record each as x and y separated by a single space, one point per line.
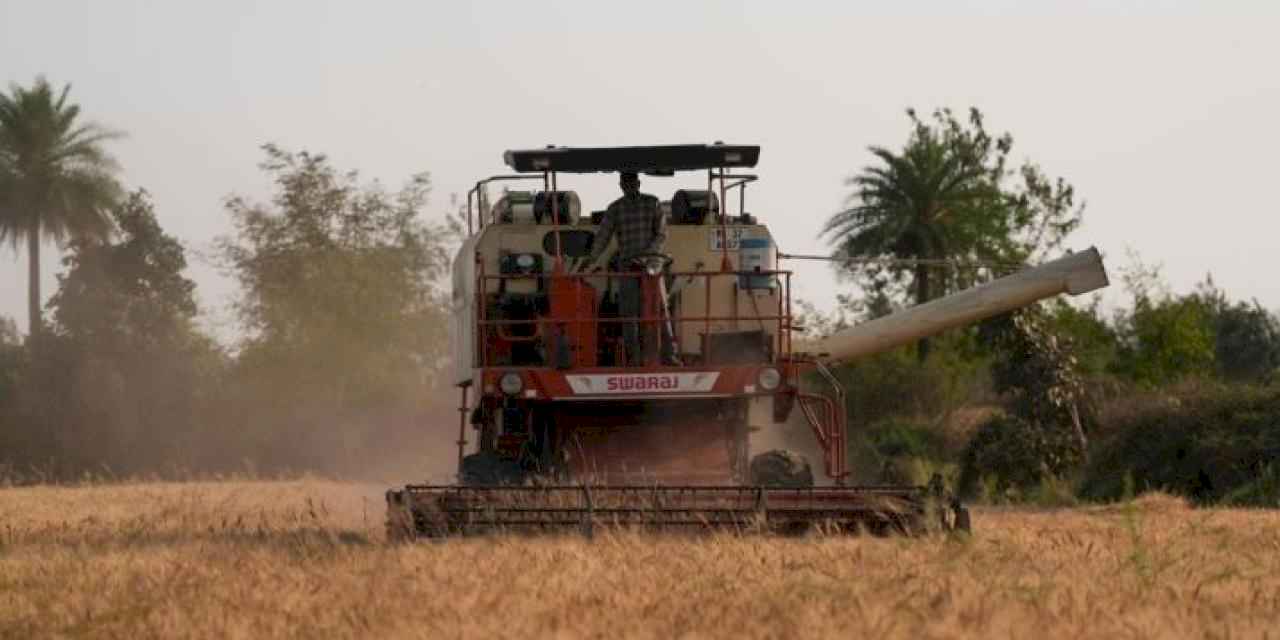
636 218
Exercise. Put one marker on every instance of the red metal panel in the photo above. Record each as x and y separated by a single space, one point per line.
553 384
573 311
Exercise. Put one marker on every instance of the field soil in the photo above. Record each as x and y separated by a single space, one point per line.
307 559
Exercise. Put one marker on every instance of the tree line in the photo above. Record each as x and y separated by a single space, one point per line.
341 316
1058 387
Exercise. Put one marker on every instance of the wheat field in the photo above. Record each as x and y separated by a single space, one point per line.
307 559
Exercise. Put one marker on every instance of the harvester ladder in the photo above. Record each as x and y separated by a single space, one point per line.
827 417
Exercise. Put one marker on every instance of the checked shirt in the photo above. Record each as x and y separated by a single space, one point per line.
639 224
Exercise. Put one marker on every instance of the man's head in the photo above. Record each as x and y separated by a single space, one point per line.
629 181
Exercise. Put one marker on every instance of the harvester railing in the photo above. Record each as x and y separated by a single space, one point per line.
827 417
653 316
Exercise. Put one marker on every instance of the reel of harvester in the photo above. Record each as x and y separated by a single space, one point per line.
443 511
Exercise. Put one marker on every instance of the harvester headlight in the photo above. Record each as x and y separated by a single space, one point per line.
525 261
769 379
511 383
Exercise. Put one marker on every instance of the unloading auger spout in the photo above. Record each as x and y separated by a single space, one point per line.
1074 274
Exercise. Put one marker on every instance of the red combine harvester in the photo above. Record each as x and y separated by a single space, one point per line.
564 426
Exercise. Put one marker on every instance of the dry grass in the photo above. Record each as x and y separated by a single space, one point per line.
306 559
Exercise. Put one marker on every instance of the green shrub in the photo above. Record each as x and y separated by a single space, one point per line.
1010 453
1094 343
1247 346
896 385
916 471
1262 491
894 438
1209 446
1167 339
1053 492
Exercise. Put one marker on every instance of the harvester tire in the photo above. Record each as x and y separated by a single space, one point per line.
781 468
486 469
963 522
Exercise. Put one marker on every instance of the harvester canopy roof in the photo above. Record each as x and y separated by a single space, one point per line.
659 160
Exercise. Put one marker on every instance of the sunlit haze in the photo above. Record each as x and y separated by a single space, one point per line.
1163 115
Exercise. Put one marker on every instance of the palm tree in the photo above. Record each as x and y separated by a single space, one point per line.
56 181
937 200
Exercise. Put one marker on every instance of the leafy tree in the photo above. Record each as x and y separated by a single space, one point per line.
948 195
1092 339
9 335
56 179
1162 338
129 295
1037 369
126 367
848 311
1247 344
11 361
1042 435
340 300
13 370
1167 339
1246 336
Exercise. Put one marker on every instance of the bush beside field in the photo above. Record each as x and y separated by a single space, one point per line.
1211 440
1213 444
1217 445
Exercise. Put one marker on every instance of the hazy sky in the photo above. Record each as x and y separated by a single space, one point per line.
1162 114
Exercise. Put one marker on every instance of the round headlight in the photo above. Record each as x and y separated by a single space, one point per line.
511 383
769 379
524 261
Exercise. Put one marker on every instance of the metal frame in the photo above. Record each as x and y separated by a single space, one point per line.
827 417
549 184
479 195
782 341
460 510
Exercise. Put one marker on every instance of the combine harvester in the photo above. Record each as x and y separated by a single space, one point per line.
559 430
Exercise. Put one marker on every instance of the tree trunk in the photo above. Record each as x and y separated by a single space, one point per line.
1081 440
35 325
922 296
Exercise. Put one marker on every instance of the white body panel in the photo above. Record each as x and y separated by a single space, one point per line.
462 321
